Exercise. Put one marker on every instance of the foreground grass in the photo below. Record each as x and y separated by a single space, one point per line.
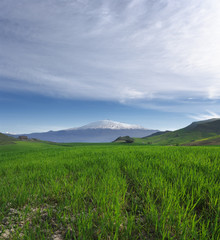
107 191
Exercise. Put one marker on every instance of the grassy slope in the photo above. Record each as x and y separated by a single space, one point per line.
108 191
6 139
206 141
191 133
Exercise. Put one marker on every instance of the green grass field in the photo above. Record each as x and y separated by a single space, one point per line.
109 191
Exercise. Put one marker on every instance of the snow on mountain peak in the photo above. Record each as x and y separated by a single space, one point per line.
108 124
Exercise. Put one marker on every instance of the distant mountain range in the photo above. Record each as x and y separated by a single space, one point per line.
100 131
198 133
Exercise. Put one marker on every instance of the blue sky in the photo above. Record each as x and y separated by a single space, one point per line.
67 63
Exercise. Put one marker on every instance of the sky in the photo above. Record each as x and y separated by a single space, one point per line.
65 63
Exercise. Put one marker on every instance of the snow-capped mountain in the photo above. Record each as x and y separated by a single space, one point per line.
108 124
100 131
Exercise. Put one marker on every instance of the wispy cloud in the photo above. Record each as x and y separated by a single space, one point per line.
207 115
112 50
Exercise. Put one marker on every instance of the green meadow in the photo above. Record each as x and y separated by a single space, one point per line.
109 191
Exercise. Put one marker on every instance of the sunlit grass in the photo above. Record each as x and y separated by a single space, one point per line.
105 191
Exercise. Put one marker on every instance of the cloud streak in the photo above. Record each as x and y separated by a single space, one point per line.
207 115
125 51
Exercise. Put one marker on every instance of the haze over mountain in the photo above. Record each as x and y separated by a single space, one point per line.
100 131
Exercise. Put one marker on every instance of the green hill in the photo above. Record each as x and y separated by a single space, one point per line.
125 139
4 139
194 132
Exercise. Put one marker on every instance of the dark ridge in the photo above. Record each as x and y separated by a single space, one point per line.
125 139
158 133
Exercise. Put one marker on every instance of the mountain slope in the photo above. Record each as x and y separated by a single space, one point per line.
193 132
4 139
101 131
205 141
159 133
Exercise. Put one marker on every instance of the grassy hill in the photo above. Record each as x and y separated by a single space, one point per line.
6 139
125 139
194 132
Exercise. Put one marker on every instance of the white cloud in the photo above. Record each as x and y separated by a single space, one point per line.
112 50
204 116
207 115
